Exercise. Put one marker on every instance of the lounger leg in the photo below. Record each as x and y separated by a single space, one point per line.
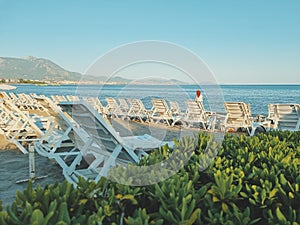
109 162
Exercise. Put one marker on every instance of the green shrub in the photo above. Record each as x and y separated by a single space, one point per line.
250 180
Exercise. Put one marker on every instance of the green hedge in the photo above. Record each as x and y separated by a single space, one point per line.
252 180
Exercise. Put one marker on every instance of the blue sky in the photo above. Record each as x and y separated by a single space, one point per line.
241 41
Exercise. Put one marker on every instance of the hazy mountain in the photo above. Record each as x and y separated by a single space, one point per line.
31 68
34 69
156 81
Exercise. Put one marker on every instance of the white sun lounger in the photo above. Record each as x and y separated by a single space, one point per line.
96 104
195 115
285 116
95 140
17 126
239 116
112 106
137 110
160 112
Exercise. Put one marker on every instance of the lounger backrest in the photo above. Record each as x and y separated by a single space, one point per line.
112 104
123 104
160 106
287 116
97 128
136 105
238 114
194 111
95 103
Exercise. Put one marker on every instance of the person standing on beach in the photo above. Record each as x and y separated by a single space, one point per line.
199 97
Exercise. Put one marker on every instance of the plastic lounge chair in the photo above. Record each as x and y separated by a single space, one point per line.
96 104
160 112
239 116
137 110
112 107
95 141
286 117
123 106
195 114
17 126
118 110
28 103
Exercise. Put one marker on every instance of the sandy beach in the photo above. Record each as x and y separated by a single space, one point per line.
14 164
14 167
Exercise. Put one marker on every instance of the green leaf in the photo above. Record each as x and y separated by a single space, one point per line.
280 215
37 217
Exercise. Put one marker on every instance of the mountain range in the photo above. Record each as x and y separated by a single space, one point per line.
32 68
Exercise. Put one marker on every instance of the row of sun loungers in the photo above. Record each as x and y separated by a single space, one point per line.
75 132
238 114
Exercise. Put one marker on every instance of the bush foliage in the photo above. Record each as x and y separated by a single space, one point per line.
252 180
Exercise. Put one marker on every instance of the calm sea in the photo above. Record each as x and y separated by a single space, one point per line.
259 96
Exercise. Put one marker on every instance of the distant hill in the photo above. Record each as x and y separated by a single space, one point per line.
161 81
34 69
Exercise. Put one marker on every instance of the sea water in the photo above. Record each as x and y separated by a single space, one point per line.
259 96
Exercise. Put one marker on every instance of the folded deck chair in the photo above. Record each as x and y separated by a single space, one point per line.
95 141
286 117
137 110
239 116
160 112
17 126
